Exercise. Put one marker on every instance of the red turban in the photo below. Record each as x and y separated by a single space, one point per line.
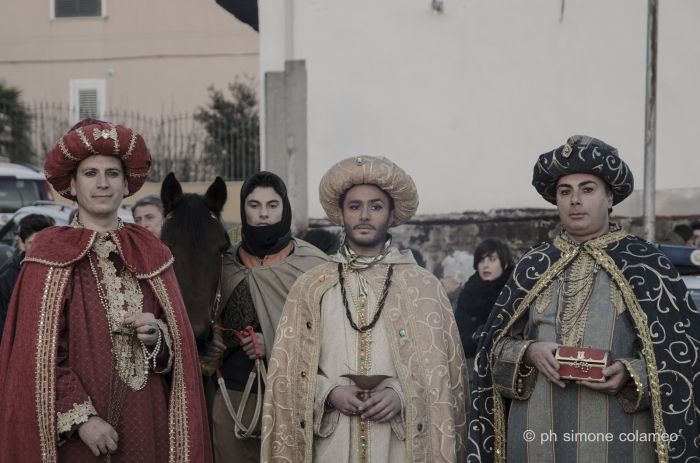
90 137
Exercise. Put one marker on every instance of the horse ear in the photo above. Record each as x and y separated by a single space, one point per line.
216 196
170 193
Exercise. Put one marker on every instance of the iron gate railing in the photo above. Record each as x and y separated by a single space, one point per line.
178 143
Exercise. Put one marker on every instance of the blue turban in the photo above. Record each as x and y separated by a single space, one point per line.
582 155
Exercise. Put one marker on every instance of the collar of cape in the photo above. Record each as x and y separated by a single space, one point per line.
391 256
143 254
665 319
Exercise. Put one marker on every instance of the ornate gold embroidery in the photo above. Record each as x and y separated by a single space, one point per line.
236 236
616 296
642 325
113 130
132 174
46 174
64 191
76 415
45 373
111 133
177 413
616 233
63 264
308 431
569 253
132 143
639 388
126 350
169 343
76 223
595 248
544 299
363 356
575 292
86 142
566 152
156 272
423 371
62 145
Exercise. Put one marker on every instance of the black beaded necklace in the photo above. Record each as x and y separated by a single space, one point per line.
380 305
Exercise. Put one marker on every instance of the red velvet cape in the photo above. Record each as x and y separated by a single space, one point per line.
28 351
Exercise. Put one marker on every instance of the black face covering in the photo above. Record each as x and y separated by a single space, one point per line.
269 239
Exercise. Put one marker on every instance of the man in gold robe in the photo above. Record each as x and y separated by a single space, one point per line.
593 286
374 314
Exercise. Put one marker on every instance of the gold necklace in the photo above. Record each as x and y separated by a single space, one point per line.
365 357
363 290
132 361
364 339
574 300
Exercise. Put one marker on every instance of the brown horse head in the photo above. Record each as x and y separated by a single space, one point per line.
195 234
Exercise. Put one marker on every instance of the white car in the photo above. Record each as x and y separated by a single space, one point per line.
20 186
58 211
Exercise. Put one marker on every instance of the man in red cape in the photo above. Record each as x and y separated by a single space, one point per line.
98 358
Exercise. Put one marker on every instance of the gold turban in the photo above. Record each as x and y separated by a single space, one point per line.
369 170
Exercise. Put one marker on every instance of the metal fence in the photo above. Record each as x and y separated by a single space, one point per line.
177 143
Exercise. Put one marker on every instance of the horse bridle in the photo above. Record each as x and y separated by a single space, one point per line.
217 299
258 372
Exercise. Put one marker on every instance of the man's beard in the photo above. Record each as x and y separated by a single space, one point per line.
356 240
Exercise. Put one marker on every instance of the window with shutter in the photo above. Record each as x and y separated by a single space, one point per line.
87 99
78 8
87 103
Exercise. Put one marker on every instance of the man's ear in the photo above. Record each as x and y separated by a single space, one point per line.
126 187
391 217
73 190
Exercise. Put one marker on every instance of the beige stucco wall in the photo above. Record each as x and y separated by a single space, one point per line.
33 50
232 209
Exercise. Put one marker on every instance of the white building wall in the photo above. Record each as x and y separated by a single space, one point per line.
466 100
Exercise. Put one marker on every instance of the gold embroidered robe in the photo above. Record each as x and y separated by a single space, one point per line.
57 361
583 307
419 345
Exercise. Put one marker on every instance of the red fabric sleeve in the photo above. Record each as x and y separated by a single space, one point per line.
70 394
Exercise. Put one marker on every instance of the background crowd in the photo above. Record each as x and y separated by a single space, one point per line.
472 281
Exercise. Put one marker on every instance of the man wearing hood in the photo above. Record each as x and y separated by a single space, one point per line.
374 314
258 274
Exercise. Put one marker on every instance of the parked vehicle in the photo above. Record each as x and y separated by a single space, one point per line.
20 186
687 260
58 211
693 284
